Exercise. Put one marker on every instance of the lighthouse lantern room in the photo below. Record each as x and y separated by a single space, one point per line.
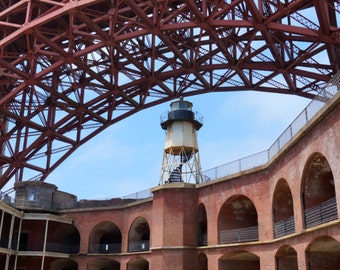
181 161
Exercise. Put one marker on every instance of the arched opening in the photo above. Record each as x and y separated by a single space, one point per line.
202 231
318 192
63 238
138 264
240 260
64 264
237 220
105 238
202 262
323 253
103 264
139 235
286 258
283 210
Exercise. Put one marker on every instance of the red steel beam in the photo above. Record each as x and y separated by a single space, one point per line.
67 66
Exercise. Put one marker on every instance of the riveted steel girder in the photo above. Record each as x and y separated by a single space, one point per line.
71 68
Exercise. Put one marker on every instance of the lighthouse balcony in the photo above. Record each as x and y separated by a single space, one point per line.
169 117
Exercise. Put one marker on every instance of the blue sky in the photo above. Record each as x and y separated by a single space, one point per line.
126 158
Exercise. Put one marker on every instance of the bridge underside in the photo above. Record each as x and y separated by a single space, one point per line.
69 69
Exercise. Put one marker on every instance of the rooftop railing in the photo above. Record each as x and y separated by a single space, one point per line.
262 158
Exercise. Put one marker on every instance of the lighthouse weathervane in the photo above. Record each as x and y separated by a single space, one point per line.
181 161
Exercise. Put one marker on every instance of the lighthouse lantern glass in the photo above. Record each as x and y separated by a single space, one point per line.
181 105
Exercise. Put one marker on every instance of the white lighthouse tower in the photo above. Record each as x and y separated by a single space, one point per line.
181 161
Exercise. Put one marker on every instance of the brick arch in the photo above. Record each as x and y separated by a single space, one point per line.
102 264
202 261
317 182
237 220
202 225
239 259
64 264
318 191
63 238
286 258
105 237
283 209
138 263
139 235
323 253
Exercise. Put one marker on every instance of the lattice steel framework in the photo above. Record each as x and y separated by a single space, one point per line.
69 69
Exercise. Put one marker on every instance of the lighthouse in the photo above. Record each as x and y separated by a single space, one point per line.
181 161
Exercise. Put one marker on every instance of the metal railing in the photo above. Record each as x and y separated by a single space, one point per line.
203 239
236 166
106 248
4 197
4 243
239 235
321 213
50 247
263 157
284 227
139 246
61 248
144 194
196 116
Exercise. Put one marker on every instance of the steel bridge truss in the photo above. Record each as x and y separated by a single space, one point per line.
69 69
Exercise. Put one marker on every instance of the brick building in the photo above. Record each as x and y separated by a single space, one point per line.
282 215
